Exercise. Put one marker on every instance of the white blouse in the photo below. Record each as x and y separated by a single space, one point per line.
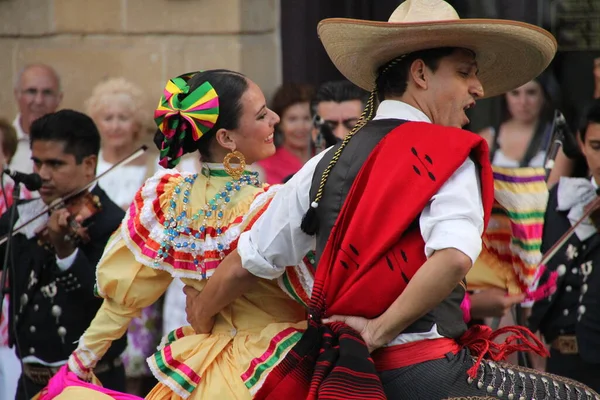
121 184
500 160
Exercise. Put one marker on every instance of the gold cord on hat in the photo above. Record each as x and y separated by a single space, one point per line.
393 63
235 173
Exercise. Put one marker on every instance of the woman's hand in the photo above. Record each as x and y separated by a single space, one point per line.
365 327
193 309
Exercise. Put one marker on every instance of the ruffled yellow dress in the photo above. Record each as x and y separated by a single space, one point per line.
250 335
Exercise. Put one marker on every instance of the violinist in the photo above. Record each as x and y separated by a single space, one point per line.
570 319
54 258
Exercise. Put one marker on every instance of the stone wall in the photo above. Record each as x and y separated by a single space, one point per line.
146 41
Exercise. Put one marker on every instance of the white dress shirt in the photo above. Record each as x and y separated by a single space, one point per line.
453 218
21 161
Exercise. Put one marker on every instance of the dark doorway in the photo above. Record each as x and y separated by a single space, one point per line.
304 59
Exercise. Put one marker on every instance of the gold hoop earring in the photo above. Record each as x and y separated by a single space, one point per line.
235 173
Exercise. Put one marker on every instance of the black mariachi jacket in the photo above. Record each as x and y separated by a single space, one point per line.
52 308
575 307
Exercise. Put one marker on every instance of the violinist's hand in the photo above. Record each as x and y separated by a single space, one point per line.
58 231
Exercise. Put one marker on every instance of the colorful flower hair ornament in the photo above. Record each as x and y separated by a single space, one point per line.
181 113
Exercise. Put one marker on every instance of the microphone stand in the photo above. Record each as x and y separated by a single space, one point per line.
7 248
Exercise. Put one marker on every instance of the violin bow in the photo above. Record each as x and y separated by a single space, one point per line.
563 239
60 201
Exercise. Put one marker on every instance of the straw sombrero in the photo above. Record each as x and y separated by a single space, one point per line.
509 53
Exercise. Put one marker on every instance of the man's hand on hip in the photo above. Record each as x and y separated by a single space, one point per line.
193 309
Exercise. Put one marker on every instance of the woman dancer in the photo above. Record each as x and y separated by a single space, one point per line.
182 225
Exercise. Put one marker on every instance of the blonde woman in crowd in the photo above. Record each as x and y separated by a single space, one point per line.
117 107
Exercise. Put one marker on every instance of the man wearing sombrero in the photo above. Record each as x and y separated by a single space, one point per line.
398 209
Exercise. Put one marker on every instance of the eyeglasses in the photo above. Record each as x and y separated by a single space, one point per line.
348 123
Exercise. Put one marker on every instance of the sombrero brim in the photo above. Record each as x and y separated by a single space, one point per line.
509 53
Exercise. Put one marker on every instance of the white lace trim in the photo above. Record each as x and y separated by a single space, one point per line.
88 358
166 381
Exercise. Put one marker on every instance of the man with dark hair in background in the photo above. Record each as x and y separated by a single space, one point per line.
338 105
52 277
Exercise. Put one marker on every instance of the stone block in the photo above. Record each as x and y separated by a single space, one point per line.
261 61
183 16
88 16
8 108
82 62
25 17
259 15
186 54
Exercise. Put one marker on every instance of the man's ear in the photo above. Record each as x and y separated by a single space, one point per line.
89 164
417 73
580 143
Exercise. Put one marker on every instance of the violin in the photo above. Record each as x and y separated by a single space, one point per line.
80 203
594 213
81 208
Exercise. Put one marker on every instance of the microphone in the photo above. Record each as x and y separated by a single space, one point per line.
328 136
570 146
31 181
325 137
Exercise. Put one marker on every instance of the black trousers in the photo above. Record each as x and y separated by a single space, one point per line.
447 378
113 379
572 366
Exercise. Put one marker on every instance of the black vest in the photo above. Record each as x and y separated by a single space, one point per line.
447 315
575 307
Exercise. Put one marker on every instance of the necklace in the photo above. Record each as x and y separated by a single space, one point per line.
177 231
